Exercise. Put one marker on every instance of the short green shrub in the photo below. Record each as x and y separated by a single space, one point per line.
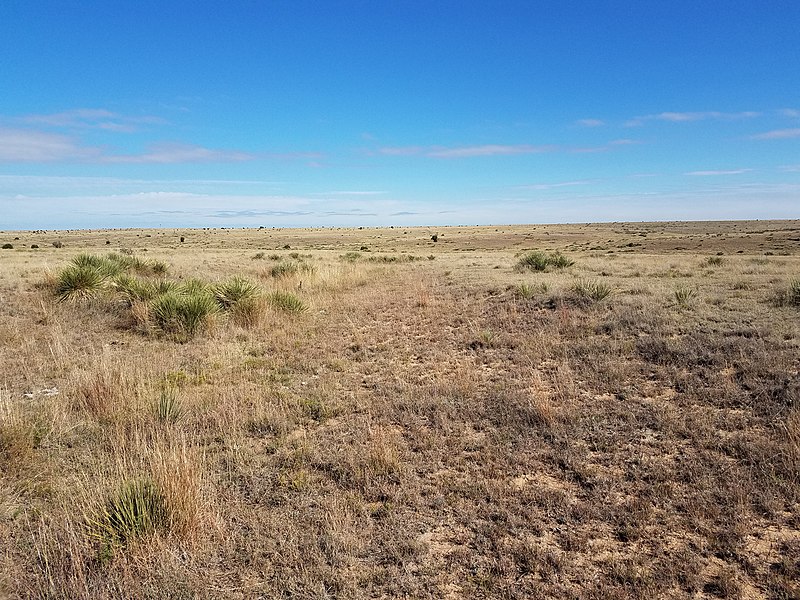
8 246
137 509
287 302
533 261
234 291
183 315
133 289
789 296
77 283
594 290
684 294
528 290
539 261
169 408
714 261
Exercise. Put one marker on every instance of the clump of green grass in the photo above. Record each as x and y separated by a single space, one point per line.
103 265
80 282
351 256
169 408
559 261
539 261
234 291
132 288
137 509
242 299
593 290
287 302
527 291
789 296
183 315
684 294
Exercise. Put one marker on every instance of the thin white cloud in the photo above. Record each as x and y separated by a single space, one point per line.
792 113
687 117
401 150
778 134
22 145
590 122
605 147
465 151
560 184
354 193
92 118
714 173
179 153
488 150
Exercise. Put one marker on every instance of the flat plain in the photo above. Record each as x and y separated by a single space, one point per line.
556 411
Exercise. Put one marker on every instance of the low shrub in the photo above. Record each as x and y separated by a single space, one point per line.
136 509
287 302
593 290
76 283
183 315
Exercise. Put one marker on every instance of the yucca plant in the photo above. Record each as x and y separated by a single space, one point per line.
80 282
287 302
594 290
559 261
533 261
169 408
105 266
235 291
684 294
132 288
135 510
183 315
793 295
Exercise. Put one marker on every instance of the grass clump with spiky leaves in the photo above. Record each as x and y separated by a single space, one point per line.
593 290
137 509
80 282
169 408
287 302
183 315
539 261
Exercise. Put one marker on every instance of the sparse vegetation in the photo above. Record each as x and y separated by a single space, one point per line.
684 294
287 302
539 261
594 290
440 428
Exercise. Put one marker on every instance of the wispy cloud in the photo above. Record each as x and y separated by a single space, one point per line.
92 118
777 134
714 173
590 122
353 193
687 117
488 150
560 184
22 145
792 113
179 153
605 147
466 151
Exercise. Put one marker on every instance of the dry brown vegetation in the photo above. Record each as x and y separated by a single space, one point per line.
436 423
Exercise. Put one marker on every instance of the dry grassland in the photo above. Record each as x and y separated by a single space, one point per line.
435 424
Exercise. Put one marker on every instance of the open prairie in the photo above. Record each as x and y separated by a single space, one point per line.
552 411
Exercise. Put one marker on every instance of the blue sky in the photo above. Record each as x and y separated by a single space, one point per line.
295 113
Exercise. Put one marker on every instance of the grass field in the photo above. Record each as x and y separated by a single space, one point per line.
349 413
